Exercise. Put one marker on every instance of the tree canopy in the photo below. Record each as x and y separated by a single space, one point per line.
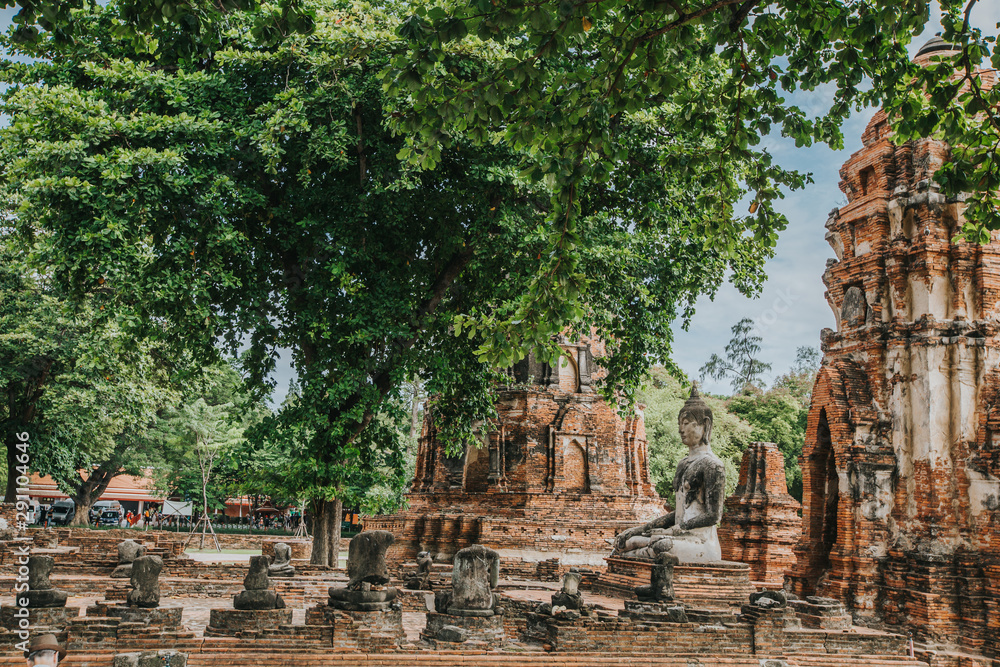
260 197
76 382
715 76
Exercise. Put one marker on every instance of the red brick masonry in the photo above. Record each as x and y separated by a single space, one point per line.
761 521
901 466
559 474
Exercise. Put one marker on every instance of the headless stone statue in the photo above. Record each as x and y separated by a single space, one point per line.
689 532
128 551
282 565
661 584
256 584
366 567
145 581
422 580
475 574
569 597
40 591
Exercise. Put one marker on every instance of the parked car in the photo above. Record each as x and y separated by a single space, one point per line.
98 509
62 512
109 518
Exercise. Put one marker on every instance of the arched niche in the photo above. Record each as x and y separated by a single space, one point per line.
576 473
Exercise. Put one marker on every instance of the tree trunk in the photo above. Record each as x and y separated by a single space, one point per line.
335 519
415 410
321 550
326 532
10 495
84 501
90 490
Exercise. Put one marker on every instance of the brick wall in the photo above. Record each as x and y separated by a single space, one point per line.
559 475
901 456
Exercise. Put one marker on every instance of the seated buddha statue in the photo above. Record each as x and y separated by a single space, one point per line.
689 532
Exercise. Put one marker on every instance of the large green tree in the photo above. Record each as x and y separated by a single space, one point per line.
260 198
566 78
82 389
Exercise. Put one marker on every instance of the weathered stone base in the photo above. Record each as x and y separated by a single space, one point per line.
42 617
766 636
237 622
473 631
655 612
166 618
367 631
822 613
715 586
151 659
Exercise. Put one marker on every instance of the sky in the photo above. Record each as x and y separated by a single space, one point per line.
791 309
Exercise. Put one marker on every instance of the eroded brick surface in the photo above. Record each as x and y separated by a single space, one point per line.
901 466
559 475
761 521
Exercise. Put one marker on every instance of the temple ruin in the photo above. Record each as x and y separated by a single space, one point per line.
558 475
901 466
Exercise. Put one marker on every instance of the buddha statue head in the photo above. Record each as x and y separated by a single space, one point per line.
695 420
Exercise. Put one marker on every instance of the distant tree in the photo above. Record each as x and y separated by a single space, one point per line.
221 390
207 430
740 365
776 416
664 395
801 376
82 389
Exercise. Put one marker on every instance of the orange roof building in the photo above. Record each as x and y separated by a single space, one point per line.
122 488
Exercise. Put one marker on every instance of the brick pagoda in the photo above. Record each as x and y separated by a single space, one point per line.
901 466
761 522
559 475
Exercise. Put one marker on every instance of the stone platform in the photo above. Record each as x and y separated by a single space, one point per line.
239 622
48 617
472 631
361 630
166 618
717 586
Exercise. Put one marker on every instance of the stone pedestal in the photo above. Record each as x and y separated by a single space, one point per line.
167 618
655 612
822 613
344 599
365 631
717 586
47 617
445 631
237 622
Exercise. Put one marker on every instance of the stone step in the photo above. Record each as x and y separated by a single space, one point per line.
240 656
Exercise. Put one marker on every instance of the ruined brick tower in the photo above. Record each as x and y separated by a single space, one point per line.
901 466
558 475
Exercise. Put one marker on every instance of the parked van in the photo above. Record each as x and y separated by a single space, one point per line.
62 512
